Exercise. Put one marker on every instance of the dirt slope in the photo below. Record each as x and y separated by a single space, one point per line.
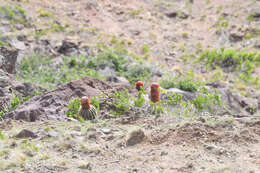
169 33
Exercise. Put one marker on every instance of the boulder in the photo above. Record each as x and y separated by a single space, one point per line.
135 137
8 57
53 105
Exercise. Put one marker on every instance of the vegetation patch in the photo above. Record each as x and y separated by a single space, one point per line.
119 60
15 14
185 83
40 70
14 103
244 62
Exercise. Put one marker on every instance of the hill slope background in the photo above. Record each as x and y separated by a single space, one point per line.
205 51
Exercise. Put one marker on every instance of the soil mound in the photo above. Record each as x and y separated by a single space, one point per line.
52 105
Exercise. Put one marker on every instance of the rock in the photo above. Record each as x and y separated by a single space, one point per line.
106 131
237 104
177 13
8 87
52 105
19 45
87 166
26 134
183 15
186 96
8 59
164 153
236 36
91 133
77 128
135 137
117 79
27 89
68 47
53 133
201 119
171 14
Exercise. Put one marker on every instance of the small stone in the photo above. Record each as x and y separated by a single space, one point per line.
87 166
163 153
53 134
208 147
77 128
135 137
91 133
171 14
26 134
106 131
202 120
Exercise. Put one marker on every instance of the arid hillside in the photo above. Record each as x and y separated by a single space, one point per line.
202 56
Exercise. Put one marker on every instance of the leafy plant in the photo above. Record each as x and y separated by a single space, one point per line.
137 71
140 98
73 108
183 83
157 107
121 62
3 43
15 101
206 100
243 61
121 101
39 69
95 102
174 99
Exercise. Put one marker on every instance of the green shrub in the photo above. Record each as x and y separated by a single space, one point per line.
245 62
183 83
137 71
3 43
15 101
174 99
207 100
73 108
40 70
95 102
121 101
109 58
122 63
140 98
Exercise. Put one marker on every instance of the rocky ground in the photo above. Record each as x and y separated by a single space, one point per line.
52 52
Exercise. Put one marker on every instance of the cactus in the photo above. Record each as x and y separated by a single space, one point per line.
87 111
155 94
138 85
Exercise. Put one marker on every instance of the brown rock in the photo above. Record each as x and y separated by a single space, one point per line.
26 134
8 59
52 105
135 137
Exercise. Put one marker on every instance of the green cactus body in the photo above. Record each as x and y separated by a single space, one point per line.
88 114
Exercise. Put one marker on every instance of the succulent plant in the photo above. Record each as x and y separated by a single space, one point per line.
139 84
155 94
87 111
